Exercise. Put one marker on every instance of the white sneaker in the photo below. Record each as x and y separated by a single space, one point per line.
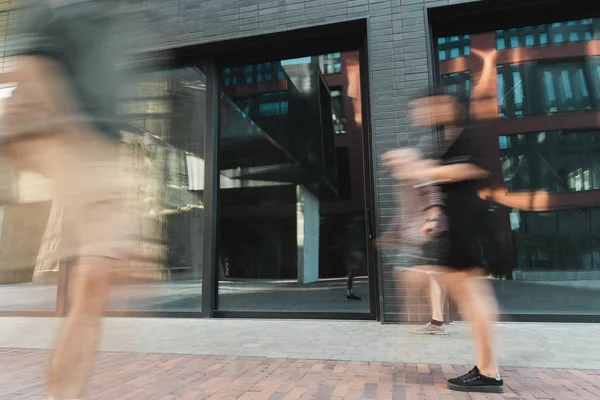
431 329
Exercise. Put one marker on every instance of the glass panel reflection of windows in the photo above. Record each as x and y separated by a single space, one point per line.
552 161
332 63
249 74
565 87
458 84
337 111
511 90
454 47
546 34
567 240
165 137
536 88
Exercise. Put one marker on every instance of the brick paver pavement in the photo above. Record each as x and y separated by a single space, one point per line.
127 376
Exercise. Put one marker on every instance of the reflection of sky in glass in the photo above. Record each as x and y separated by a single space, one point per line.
503 140
558 38
529 40
515 220
518 88
541 137
501 90
568 90
294 61
549 84
584 89
500 44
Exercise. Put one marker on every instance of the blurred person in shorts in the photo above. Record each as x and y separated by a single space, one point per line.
60 122
460 172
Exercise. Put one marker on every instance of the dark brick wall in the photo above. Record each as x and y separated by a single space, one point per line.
398 64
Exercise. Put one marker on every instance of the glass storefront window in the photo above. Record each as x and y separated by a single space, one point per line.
544 88
164 132
292 190
547 175
554 161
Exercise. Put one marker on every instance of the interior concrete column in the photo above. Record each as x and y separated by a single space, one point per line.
307 235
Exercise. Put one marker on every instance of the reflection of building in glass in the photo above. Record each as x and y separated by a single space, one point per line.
454 47
548 139
285 107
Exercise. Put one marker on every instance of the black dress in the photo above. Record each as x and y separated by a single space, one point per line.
468 215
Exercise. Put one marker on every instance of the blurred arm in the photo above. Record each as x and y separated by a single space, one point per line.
534 201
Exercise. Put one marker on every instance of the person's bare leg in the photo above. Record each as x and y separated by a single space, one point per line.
437 297
485 308
475 299
72 362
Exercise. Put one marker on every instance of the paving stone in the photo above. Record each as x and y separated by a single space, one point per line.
130 376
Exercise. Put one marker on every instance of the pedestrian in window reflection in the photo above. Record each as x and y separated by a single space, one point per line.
460 173
354 254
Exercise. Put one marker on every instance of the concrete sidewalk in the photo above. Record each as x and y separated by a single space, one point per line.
545 345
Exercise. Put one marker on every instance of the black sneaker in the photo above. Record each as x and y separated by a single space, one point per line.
352 296
475 382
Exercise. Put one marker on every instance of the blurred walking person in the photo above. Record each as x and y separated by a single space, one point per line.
60 122
460 173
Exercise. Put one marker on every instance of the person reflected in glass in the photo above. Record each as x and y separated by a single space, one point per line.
354 254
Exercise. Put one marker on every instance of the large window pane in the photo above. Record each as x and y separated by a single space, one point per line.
546 179
291 197
544 88
164 133
553 161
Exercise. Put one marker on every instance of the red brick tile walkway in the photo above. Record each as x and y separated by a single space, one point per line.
122 376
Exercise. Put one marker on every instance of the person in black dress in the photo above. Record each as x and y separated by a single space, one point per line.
460 172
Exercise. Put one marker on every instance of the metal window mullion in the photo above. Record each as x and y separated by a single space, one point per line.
211 186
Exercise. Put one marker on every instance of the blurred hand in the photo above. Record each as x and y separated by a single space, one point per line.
401 156
423 171
400 162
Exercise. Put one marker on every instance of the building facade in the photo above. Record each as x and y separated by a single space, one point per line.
261 145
